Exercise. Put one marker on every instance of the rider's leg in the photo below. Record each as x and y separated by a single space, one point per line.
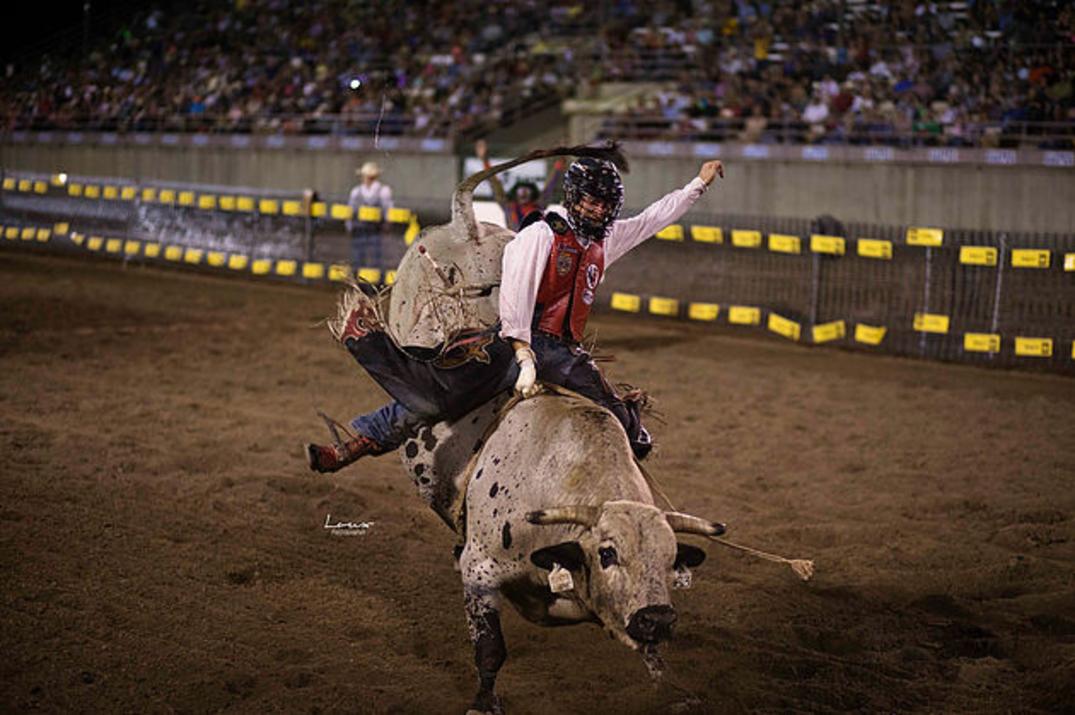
573 367
376 433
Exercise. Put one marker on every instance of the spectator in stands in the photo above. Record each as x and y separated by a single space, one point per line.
367 236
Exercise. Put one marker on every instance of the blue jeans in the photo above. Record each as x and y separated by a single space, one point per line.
435 394
366 246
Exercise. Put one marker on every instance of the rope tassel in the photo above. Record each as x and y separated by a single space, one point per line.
803 568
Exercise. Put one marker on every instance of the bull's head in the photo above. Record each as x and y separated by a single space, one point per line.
624 562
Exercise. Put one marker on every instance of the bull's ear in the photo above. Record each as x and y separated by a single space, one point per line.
689 556
568 554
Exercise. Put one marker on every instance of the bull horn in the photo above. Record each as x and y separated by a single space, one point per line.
463 198
688 524
576 514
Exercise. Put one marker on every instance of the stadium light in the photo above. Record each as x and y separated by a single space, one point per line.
355 83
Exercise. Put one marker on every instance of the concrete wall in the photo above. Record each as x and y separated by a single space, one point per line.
331 173
957 196
972 197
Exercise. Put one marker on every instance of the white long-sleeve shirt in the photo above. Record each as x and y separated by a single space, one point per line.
375 194
526 256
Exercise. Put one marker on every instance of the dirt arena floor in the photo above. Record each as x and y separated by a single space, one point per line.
162 544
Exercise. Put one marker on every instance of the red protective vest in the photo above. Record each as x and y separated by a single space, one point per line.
568 284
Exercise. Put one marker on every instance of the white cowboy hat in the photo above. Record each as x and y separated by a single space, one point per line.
370 168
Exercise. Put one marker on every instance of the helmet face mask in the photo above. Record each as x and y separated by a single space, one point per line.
593 197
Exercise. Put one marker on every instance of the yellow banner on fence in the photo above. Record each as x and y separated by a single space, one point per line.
149 195
869 334
193 256
217 259
925 237
784 243
339 272
707 234
369 275
1034 347
268 206
826 332
875 248
703 311
746 239
261 267
663 306
978 255
342 212
131 248
292 208
227 203
1030 258
286 267
370 214
626 302
113 245
245 204
930 323
43 235
237 262
111 193
207 202
313 270
186 198
166 196
671 233
151 250
744 315
397 215
834 245
783 326
981 342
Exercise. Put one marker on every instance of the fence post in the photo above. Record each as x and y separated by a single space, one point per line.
997 288
922 338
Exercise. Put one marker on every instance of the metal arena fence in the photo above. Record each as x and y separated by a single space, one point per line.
981 297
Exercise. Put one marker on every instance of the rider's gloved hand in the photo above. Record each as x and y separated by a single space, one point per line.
526 384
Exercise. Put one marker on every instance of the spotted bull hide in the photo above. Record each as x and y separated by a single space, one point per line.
554 487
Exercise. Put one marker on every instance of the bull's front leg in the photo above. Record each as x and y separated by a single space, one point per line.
482 601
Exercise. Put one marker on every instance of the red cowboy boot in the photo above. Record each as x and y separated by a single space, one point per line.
326 458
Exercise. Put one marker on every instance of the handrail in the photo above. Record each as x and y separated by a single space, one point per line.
1001 133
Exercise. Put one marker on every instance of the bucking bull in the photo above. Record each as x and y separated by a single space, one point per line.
567 534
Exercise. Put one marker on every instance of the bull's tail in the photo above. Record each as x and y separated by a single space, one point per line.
463 198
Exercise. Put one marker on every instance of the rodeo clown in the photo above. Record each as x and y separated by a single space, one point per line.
550 272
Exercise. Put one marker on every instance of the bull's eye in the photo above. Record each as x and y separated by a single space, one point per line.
608 556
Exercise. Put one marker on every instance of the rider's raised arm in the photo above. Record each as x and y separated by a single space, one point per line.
523 264
628 233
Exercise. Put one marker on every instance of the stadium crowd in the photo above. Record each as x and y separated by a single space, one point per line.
418 67
958 73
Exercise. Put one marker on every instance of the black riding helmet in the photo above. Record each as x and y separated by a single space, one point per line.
598 179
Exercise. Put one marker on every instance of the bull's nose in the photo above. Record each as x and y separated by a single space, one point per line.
651 624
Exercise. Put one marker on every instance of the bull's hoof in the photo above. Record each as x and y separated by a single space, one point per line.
486 704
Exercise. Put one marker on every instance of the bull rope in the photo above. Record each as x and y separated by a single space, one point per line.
803 568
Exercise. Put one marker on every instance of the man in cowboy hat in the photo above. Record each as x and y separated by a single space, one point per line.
366 235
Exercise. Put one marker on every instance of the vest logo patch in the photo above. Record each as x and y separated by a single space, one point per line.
564 261
593 273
